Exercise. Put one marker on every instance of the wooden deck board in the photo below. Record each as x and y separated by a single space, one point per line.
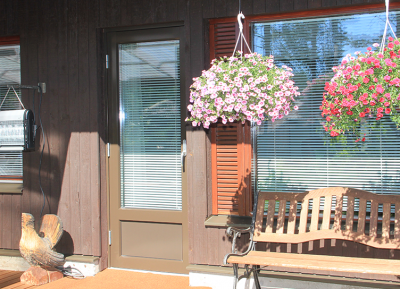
10 280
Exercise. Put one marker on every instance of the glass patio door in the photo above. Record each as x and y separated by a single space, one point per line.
148 218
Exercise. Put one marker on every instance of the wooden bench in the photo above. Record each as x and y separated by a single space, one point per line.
330 213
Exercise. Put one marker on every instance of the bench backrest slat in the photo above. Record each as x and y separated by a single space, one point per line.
315 214
327 213
281 217
258 224
270 216
292 217
338 213
303 217
397 221
373 224
331 213
361 216
386 221
350 213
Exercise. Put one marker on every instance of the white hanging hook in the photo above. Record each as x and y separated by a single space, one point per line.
387 8
382 47
239 19
241 35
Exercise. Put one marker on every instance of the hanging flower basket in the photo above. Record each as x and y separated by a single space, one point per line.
364 87
241 88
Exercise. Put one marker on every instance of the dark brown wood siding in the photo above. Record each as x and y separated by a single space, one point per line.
61 44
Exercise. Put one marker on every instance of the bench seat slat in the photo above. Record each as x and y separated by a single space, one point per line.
313 257
320 262
327 234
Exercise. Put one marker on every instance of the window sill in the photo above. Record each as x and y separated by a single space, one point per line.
11 187
224 221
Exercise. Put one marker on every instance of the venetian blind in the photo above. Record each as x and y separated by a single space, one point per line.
10 74
295 154
150 125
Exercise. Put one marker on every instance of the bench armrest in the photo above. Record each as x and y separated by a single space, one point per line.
232 231
235 233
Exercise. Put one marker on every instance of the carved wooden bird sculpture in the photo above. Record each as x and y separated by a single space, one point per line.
38 250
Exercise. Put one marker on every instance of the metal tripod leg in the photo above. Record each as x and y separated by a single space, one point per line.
255 274
236 275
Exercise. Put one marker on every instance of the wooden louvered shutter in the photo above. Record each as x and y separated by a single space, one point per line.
231 169
230 144
222 37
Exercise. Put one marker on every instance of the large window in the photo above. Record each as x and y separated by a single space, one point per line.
295 154
10 74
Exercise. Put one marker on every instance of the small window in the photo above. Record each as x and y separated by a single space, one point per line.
10 74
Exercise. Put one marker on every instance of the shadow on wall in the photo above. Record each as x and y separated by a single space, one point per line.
71 184
66 244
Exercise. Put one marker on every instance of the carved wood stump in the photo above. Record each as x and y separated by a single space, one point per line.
38 276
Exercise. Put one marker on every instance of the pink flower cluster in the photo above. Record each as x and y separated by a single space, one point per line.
241 88
363 87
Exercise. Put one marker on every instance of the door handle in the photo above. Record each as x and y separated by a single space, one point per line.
183 153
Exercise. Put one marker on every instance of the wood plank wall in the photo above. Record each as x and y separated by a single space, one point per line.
61 45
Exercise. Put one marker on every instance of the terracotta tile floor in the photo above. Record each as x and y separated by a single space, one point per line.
109 278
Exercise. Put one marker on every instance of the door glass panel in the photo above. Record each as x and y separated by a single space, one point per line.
150 125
